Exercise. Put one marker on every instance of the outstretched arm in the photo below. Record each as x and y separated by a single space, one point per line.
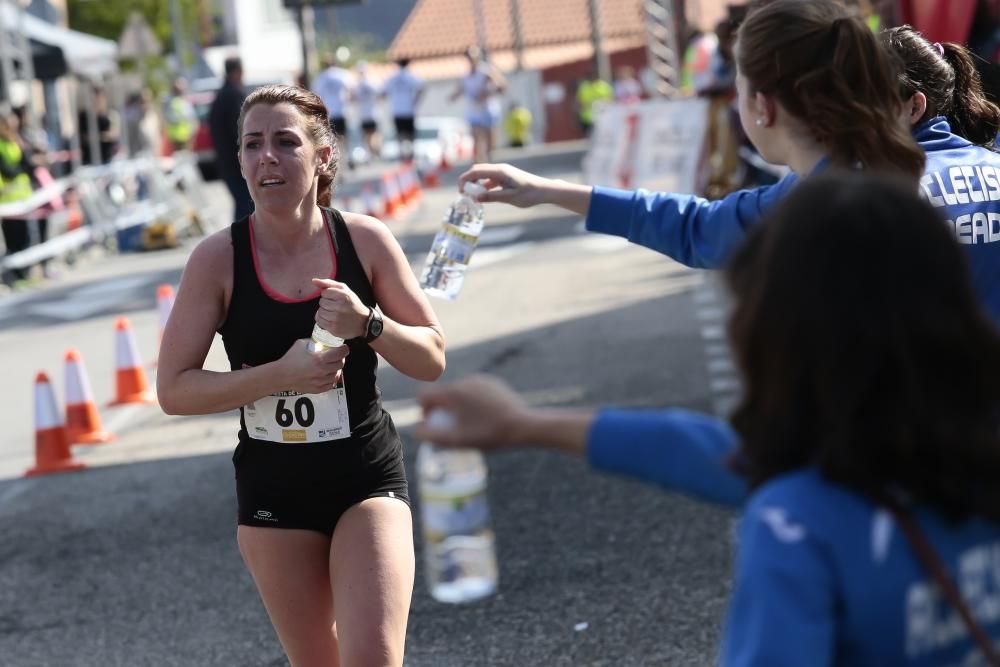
678 450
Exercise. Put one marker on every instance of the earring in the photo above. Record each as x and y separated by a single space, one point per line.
760 122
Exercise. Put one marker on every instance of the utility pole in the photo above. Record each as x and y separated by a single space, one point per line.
305 17
480 20
662 44
515 21
602 66
176 24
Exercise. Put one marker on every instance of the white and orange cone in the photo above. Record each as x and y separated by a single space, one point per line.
391 195
369 205
52 452
83 422
130 378
164 304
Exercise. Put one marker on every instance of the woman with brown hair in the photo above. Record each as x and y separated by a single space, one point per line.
870 442
324 516
957 126
815 89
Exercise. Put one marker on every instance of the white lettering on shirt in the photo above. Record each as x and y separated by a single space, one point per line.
931 622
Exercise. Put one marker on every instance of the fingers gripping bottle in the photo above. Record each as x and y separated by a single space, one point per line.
455 515
444 270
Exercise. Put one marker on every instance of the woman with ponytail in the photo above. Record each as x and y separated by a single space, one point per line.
324 515
957 127
815 90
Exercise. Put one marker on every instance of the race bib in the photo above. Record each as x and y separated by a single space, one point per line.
289 416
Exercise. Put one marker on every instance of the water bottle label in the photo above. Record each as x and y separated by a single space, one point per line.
453 245
448 515
289 416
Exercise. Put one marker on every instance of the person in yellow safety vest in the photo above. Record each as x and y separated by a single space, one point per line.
15 182
179 116
15 185
517 124
590 91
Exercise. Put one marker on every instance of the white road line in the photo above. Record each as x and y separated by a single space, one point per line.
713 332
711 313
14 490
498 235
603 243
720 365
704 296
716 350
488 256
721 385
723 406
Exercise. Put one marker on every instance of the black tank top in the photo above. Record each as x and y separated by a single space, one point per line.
259 328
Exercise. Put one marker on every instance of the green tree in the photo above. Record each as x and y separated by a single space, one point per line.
107 19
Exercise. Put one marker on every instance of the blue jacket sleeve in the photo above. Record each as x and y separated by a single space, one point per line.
679 450
689 229
782 612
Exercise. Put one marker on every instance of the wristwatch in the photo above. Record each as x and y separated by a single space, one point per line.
374 327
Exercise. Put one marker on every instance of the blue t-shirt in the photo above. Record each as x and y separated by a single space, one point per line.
825 577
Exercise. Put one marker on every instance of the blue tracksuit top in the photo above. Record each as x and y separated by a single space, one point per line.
825 577
961 178
686 452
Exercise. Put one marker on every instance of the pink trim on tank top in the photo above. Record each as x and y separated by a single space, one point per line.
276 295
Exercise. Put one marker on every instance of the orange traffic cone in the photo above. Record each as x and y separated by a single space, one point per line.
83 423
431 179
391 194
51 444
130 378
164 304
369 205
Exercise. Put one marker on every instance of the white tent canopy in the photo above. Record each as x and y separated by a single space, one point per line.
80 53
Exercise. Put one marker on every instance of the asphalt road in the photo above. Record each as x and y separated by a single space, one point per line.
134 561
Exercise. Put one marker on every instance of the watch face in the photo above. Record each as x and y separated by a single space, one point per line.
375 328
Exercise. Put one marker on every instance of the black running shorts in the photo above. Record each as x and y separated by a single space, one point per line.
310 486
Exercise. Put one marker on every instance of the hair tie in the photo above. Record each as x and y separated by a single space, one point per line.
940 49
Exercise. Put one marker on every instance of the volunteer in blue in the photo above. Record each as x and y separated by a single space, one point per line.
940 88
957 126
831 98
894 423
324 517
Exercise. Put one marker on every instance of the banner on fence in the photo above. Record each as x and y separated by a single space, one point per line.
656 144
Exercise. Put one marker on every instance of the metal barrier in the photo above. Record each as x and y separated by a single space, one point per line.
113 198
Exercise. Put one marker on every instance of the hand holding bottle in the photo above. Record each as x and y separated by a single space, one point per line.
340 311
311 372
484 413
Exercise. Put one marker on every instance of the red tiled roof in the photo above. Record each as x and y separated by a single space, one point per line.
437 28
447 27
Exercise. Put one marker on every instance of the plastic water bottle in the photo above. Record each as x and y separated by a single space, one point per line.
458 538
323 339
444 270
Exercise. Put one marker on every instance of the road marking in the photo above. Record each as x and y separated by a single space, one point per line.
488 256
14 490
713 332
499 235
90 300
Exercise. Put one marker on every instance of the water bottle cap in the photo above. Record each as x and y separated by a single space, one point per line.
473 189
441 419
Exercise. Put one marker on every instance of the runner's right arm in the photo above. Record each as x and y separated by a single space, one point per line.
184 387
